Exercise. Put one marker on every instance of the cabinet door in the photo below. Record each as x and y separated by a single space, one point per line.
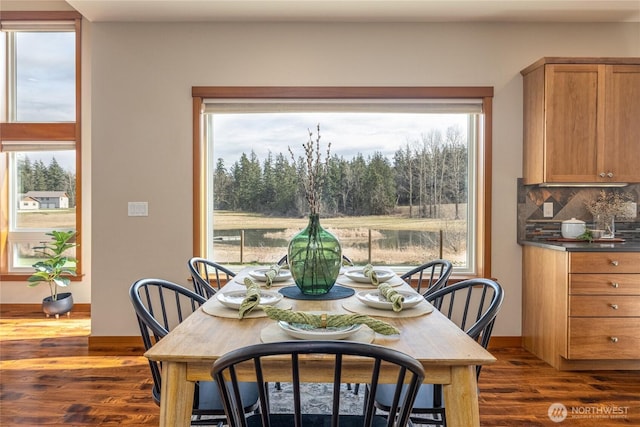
571 134
621 147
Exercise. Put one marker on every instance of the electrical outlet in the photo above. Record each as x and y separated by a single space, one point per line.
547 209
138 209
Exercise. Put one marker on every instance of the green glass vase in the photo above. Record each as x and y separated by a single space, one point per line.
315 258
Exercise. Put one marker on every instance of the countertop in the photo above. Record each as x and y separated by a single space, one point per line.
627 246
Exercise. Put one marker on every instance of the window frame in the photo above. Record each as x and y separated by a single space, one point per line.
484 153
44 133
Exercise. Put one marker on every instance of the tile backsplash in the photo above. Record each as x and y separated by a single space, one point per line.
568 202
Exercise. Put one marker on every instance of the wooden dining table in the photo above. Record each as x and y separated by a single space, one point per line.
447 353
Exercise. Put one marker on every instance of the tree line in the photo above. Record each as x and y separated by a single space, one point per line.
423 175
36 176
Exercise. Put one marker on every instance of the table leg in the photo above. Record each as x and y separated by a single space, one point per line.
461 398
176 396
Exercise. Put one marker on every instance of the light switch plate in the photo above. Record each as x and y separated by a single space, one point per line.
138 209
547 209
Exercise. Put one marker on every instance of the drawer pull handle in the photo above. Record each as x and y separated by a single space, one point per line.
615 284
614 306
614 339
614 263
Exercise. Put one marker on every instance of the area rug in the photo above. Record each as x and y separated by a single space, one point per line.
316 399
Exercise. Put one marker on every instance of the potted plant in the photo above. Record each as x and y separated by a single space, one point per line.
55 271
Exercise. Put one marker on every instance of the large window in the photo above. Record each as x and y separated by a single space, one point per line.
406 180
40 134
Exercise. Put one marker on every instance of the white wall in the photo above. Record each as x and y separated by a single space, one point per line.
142 79
141 126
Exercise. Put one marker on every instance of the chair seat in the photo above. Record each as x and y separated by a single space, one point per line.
209 396
424 399
315 420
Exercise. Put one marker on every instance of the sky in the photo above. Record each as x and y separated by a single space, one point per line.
348 133
45 89
45 76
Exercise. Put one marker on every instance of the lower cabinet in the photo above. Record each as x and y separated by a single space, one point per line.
581 310
606 338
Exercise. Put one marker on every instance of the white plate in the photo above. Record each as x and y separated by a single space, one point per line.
376 300
260 274
233 299
307 332
357 275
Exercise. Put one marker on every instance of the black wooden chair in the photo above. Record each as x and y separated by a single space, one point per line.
160 306
203 272
430 276
471 304
408 372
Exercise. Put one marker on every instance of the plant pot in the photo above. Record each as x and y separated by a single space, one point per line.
62 305
315 258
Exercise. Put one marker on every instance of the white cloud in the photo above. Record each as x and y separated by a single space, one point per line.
348 133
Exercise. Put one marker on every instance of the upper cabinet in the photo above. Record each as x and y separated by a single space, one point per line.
582 120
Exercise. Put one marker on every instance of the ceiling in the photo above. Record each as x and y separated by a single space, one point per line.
360 10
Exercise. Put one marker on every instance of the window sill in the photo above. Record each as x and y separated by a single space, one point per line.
22 277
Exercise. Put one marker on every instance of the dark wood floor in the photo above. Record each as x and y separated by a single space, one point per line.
49 378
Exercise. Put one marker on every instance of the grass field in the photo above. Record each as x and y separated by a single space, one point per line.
399 220
47 218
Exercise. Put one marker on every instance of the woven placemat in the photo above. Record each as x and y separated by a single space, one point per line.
345 281
274 333
336 292
355 306
213 307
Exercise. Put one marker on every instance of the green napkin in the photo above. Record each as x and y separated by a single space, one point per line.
329 320
391 295
272 273
251 300
368 271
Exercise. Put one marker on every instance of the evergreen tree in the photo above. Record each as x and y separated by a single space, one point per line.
248 183
222 187
39 177
25 174
286 186
379 184
56 178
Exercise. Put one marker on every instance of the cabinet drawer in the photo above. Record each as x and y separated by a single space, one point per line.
605 306
604 284
604 262
604 338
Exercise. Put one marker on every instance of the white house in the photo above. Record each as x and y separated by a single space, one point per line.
45 200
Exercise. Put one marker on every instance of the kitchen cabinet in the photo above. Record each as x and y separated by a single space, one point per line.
581 310
580 121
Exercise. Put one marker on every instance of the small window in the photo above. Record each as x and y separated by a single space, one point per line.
39 134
